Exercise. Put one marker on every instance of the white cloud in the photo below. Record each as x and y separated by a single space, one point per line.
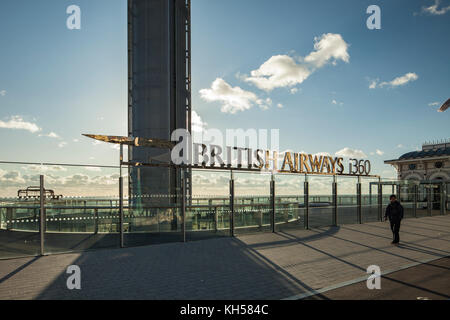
198 125
399 81
233 99
3 93
283 71
350 153
400 146
277 72
62 144
328 46
433 9
294 90
93 169
42 168
433 104
17 122
50 135
76 140
379 152
373 84
280 105
336 102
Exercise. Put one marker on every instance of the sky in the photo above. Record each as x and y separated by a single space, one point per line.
311 69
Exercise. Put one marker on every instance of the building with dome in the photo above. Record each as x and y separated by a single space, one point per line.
429 164
423 183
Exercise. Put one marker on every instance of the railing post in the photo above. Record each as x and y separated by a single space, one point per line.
42 215
415 197
121 198
121 211
446 185
183 204
429 202
232 204
442 197
306 195
216 220
380 200
95 220
358 200
272 203
335 204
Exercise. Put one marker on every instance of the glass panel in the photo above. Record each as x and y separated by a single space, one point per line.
406 197
320 201
289 201
151 218
369 200
422 201
252 202
347 200
82 208
208 210
19 215
436 198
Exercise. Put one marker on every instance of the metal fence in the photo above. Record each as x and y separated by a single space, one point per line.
243 203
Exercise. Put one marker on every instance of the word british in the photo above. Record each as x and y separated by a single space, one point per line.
198 154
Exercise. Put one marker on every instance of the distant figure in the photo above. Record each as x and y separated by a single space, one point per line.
394 212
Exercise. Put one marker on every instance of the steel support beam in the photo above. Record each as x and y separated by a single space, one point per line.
232 205
272 204
42 215
306 194
335 202
359 200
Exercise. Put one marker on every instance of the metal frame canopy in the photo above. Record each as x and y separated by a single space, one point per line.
302 163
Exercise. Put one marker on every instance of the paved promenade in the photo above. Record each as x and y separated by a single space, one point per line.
286 265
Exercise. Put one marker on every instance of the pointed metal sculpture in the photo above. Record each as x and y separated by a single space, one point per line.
135 142
445 106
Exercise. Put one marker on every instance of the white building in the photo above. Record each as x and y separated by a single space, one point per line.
432 163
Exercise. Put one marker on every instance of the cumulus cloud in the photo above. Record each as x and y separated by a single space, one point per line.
294 90
284 71
379 152
328 46
62 144
350 153
434 9
433 104
17 123
233 99
277 72
2 93
399 81
336 102
198 125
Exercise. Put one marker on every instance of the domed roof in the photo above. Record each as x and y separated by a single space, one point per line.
426 154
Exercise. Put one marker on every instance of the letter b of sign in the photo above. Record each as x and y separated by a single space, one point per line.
374 280
74 280
374 20
74 20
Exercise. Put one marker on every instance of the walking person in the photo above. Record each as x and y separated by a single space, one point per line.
394 212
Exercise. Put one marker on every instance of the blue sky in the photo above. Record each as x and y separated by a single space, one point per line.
69 82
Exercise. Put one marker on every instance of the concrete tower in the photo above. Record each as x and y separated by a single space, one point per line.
158 87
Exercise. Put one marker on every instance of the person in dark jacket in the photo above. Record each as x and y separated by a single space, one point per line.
394 212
